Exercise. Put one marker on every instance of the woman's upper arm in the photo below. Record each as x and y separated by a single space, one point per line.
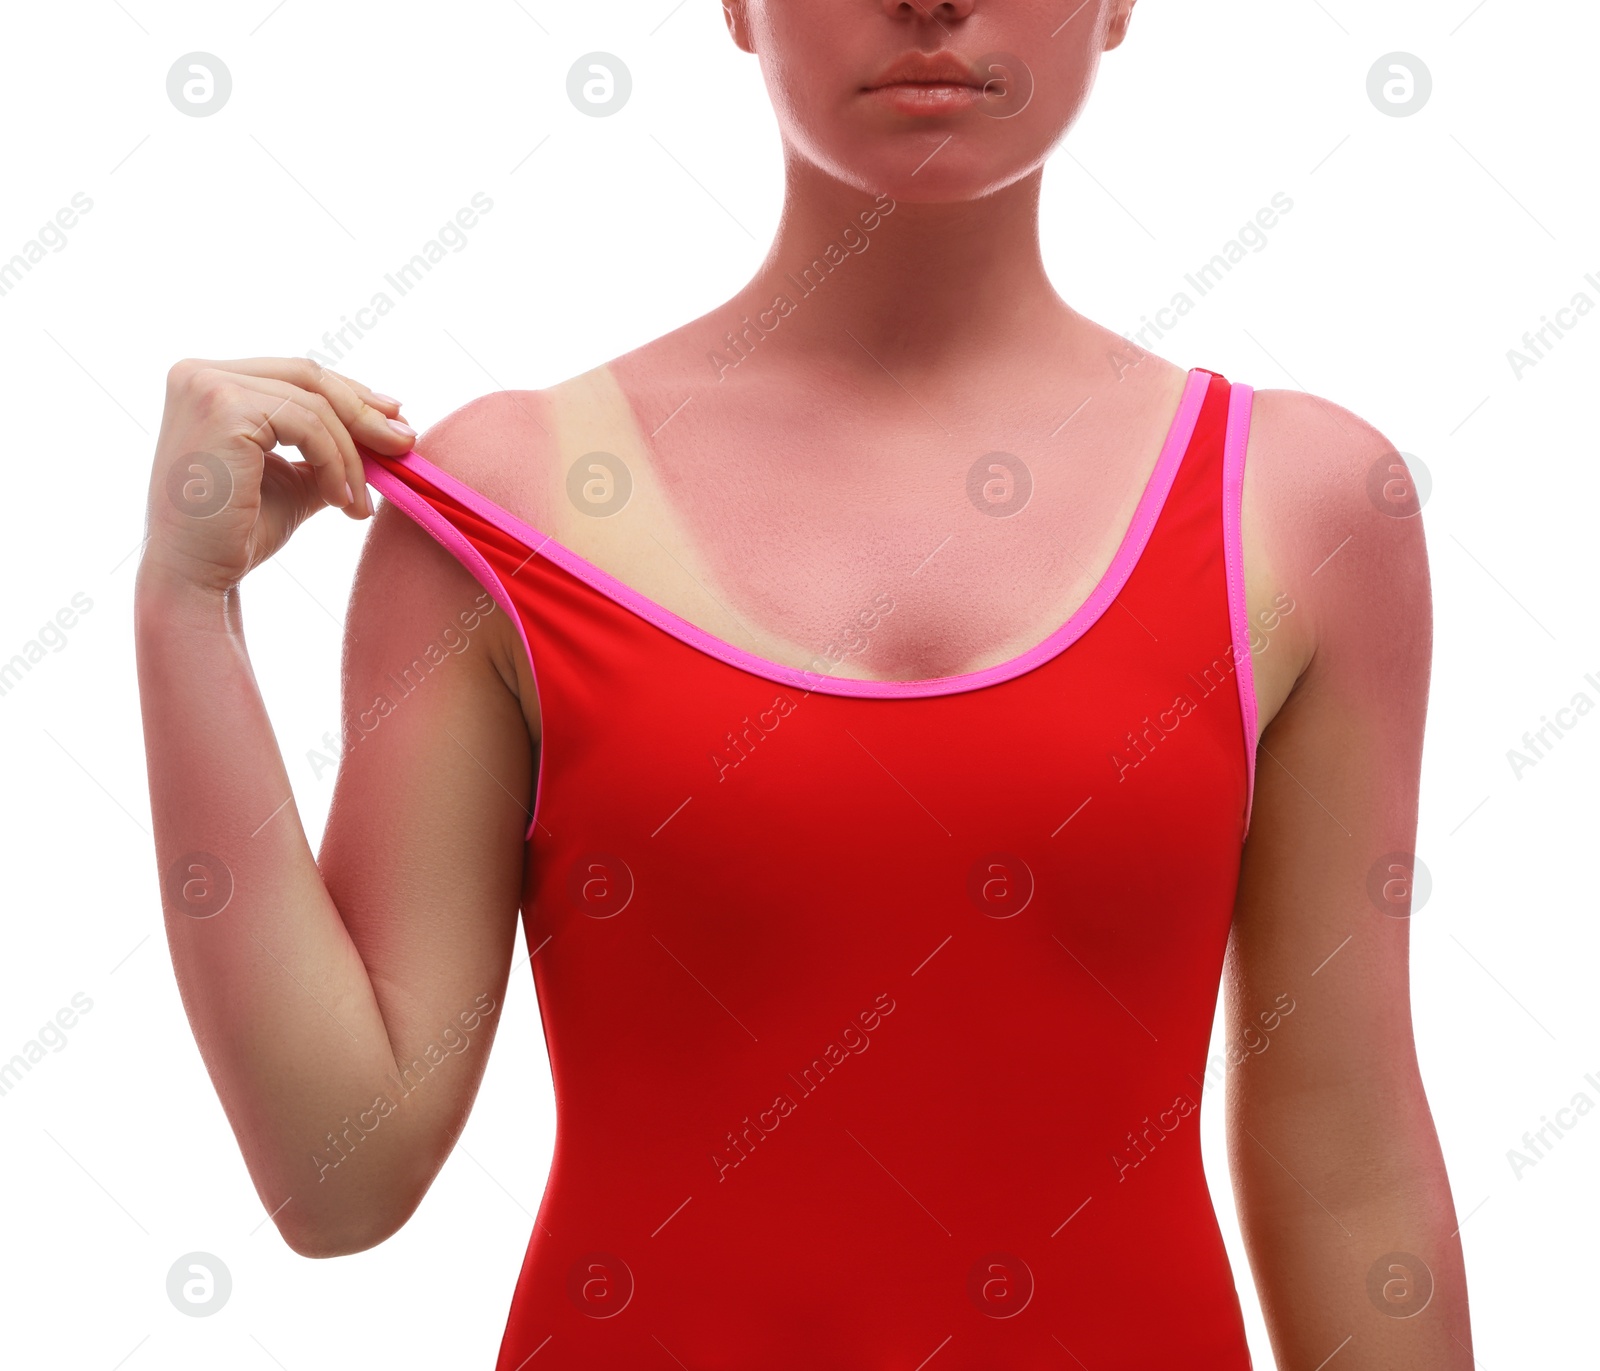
424 845
1339 764
1335 1161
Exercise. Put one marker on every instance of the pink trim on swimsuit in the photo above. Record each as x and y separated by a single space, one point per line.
1238 437
1100 598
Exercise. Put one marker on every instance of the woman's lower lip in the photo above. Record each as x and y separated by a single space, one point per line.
927 99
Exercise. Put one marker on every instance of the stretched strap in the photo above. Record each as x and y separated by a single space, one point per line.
400 484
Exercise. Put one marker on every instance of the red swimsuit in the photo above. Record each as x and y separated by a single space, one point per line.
877 1011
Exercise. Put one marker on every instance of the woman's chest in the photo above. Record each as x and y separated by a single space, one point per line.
814 529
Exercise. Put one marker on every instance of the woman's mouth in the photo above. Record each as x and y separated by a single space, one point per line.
926 97
926 84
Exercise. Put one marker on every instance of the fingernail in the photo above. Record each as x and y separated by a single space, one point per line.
404 430
385 399
349 495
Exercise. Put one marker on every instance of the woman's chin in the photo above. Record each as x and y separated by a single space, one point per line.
942 168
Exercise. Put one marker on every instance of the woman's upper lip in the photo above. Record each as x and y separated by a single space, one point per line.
925 69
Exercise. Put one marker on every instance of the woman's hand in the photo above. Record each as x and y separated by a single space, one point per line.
221 500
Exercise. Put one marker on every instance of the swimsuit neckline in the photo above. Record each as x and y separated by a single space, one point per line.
1179 433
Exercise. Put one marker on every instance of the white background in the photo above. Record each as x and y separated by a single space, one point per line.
1418 252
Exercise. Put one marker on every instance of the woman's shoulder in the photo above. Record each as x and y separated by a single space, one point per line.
1332 512
516 447
490 441
1328 471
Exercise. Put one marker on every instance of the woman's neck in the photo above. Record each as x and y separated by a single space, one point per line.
920 287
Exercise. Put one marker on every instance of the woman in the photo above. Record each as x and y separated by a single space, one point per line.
903 642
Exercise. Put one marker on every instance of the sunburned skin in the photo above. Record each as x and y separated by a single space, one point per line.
772 508
776 498
802 498
777 492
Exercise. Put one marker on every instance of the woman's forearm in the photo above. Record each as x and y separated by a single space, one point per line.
279 1000
1353 1235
